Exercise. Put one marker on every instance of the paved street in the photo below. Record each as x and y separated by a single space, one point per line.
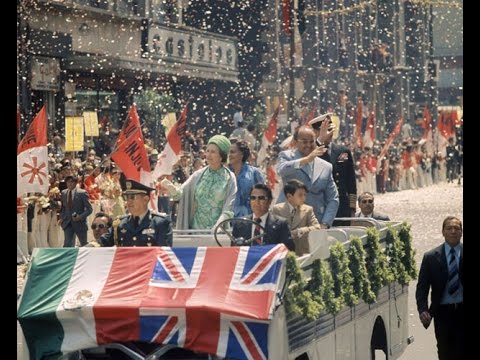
425 209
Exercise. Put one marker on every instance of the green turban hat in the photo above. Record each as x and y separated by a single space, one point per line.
223 144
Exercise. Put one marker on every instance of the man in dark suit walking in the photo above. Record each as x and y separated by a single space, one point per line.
442 271
276 228
342 161
74 212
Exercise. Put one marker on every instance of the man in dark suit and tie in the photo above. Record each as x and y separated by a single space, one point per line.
141 227
276 228
74 212
442 271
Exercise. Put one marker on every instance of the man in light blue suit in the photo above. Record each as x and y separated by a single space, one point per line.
303 164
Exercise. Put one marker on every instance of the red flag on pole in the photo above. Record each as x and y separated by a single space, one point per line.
32 157
395 132
37 132
287 8
358 125
427 122
130 154
169 156
369 136
131 124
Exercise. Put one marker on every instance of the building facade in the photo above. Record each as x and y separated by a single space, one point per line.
377 51
79 55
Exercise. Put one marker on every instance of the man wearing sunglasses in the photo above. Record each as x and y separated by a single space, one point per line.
276 228
366 205
141 227
101 224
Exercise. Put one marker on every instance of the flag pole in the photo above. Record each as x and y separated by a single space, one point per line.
291 76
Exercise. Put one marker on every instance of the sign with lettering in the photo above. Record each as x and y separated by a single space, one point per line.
190 47
45 73
74 133
90 120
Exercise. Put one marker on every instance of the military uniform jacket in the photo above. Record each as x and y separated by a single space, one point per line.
344 176
154 230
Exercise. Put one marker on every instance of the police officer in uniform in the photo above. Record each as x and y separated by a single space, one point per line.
141 227
343 166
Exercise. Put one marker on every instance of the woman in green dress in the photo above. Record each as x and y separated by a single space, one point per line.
207 197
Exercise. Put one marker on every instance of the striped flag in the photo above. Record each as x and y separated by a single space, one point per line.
77 298
170 155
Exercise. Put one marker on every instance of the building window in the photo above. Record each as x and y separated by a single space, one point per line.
131 7
106 103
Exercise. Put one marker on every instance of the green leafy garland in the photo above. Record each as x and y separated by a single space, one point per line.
298 300
408 258
342 276
358 267
376 261
347 276
395 253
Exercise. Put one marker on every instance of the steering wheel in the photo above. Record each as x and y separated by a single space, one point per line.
240 241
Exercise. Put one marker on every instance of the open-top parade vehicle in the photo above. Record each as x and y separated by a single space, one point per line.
346 299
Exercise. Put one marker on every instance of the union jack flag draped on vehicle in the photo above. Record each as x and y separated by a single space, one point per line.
212 300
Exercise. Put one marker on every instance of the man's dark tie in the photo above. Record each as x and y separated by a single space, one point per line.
293 213
70 199
136 220
453 279
256 232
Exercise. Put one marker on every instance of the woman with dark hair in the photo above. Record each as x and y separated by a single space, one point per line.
247 176
207 197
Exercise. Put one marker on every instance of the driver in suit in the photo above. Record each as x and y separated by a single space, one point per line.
276 228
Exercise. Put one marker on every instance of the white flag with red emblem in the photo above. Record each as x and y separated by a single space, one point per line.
32 157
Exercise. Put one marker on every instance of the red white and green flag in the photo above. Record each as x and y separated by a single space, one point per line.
206 299
32 157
